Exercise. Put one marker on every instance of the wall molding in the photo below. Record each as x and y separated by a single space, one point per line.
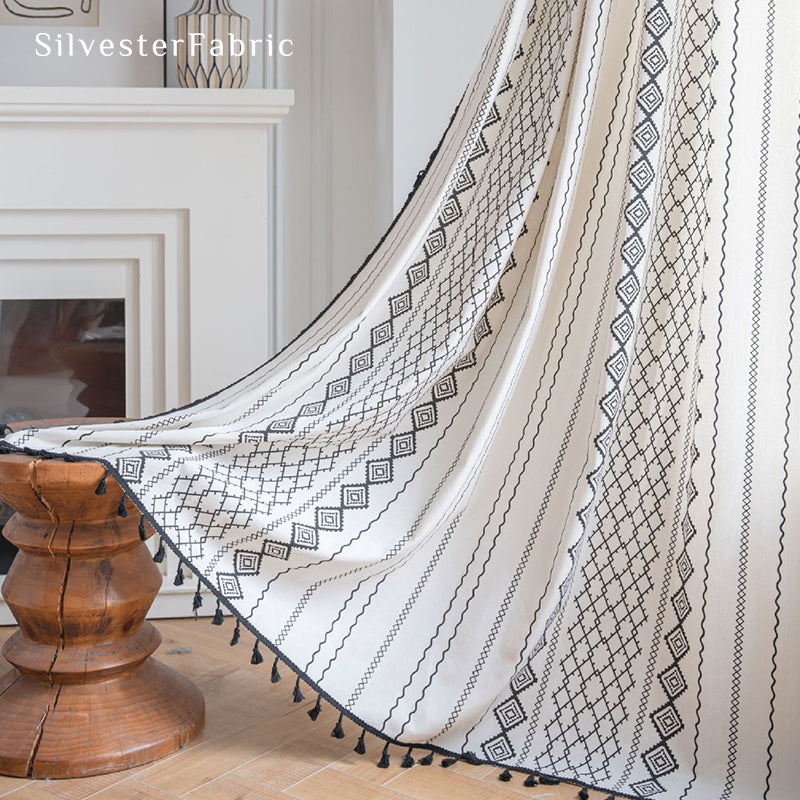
42 250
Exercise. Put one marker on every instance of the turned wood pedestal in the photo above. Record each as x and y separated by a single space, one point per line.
84 696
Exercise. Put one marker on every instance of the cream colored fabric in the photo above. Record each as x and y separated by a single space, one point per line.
528 489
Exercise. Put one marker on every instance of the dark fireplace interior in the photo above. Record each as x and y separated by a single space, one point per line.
59 358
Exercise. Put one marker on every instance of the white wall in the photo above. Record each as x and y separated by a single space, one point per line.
334 151
437 45
376 82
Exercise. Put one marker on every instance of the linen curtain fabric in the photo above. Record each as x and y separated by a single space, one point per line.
526 492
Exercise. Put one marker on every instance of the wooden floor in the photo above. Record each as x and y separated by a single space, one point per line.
259 745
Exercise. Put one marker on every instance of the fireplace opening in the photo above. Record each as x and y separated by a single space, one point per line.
59 358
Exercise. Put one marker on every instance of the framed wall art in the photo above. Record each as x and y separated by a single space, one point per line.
72 13
82 42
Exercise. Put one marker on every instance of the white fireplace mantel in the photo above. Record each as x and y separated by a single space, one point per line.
164 198
125 106
184 176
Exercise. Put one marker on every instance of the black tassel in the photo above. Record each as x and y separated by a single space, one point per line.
297 695
471 758
101 487
530 781
583 794
235 637
275 676
142 529
338 731
447 762
197 602
384 762
504 776
427 760
360 747
545 781
160 553
122 509
256 658
611 797
179 574
407 761
218 618
315 712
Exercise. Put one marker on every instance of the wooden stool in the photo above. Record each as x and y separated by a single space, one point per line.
84 696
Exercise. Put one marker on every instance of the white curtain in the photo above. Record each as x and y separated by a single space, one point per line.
527 491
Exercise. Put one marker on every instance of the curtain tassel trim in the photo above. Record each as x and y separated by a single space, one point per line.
545 781
101 487
531 779
161 553
315 712
197 601
360 747
236 633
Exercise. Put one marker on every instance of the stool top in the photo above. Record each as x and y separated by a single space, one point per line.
78 477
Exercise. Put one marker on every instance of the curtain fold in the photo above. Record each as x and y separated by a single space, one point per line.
527 491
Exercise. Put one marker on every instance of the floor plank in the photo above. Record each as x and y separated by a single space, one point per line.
133 790
259 745
234 787
11 784
330 783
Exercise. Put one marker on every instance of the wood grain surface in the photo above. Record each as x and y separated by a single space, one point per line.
258 744
83 696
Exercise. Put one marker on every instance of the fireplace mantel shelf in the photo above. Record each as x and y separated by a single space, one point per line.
147 106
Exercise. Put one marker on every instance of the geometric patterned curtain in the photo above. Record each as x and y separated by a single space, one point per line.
527 492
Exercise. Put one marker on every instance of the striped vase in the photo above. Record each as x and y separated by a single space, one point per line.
198 60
